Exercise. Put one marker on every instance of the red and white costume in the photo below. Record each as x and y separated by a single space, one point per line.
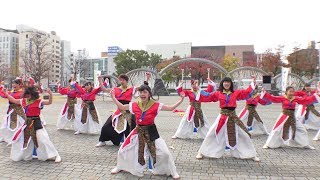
63 121
45 150
310 121
7 129
217 138
301 138
90 127
187 128
127 159
256 127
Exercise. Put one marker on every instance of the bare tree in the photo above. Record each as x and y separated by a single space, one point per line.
4 67
39 57
81 65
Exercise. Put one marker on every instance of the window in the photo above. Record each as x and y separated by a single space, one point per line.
8 39
13 39
234 54
57 76
57 71
57 66
0 39
27 36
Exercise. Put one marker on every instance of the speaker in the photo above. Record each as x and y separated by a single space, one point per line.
266 79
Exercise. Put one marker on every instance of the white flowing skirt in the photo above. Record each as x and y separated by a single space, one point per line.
127 159
5 131
63 121
257 128
275 139
214 144
186 128
90 127
46 149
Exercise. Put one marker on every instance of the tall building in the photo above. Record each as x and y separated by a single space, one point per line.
66 60
218 52
52 51
112 53
167 51
9 50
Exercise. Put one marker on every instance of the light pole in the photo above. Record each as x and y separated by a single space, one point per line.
319 59
79 68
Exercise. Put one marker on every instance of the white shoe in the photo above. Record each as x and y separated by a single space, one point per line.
174 137
100 144
199 156
256 159
315 139
77 132
265 147
58 159
115 170
309 147
34 157
176 176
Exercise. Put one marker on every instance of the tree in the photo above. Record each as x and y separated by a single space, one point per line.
173 74
132 59
230 63
38 58
271 62
304 62
81 65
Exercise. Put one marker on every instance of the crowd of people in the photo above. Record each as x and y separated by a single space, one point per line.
132 125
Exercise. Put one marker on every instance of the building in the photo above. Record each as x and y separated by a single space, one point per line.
112 53
100 63
167 51
52 51
66 62
218 52
9 50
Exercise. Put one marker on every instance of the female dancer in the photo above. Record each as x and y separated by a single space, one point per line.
281 135
193 120
121 122
132 153
249 113
67 115
227 131
309 115
32 133
86 115
15 116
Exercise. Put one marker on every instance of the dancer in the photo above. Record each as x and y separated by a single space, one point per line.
86 114
32 133
15 116
228 131
281 134
120 123
133 152
67 115
308 115
249 113
193 121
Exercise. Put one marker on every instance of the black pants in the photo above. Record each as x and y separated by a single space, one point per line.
109 134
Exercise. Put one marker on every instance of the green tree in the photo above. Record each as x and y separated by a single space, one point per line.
132 59
230 63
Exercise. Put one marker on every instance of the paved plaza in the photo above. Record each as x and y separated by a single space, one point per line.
82 160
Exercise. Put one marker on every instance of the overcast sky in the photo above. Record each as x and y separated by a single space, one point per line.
97 24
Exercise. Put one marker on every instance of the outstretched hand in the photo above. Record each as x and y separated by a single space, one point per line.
112 93
254 78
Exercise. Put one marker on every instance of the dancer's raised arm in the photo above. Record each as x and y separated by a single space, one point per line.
119 104
172 107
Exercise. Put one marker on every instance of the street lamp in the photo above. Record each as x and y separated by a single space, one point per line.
319 59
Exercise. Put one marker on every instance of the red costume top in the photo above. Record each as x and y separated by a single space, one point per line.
72 93
124 94
290 103
254 100
194 96
304 93
16 94
32 108
227 99
145 117
87 96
